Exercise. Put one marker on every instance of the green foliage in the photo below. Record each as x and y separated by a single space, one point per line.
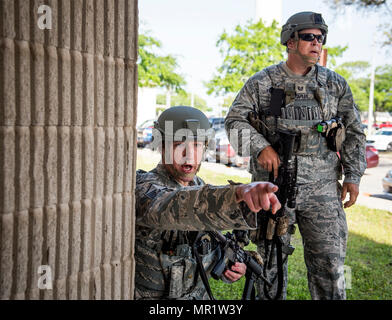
155 70
357 74
161 99
247 50
360 89
184 99
333 53
227 101
383 88
353 70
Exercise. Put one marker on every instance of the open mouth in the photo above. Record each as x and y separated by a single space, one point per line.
314 52
187 168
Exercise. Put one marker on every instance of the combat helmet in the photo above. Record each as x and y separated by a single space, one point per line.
300 21
182 122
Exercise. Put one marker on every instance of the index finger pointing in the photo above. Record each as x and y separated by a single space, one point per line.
271 187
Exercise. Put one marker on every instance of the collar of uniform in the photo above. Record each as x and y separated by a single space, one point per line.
161 170
321 75
291 74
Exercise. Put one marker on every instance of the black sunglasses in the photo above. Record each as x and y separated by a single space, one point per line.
311 36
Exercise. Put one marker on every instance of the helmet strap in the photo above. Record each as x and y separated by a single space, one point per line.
296 37
305 59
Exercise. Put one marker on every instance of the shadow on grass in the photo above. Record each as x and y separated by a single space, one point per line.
368 272
371 269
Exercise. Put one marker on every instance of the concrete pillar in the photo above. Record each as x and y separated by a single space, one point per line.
68 99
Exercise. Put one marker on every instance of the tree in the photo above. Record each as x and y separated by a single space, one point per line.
333 53
383 88
357 75
156 70
184 99
248 50
382 6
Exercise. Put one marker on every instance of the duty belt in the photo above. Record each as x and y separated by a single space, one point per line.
309 142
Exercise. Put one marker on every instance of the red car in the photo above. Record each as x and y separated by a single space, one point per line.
385 125
371 156
224 152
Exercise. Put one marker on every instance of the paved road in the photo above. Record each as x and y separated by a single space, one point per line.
371 193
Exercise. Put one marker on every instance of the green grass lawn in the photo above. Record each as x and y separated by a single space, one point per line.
369 252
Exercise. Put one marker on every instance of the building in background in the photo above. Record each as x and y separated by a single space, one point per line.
146 104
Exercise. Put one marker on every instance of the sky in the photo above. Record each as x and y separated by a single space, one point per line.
190 29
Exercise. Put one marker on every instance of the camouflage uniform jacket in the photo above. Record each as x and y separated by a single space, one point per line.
334 98
169 213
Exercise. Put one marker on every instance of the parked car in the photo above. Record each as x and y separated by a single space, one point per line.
144 133
223 152
372 157
382 139
375 127
387 182
217 123
386 124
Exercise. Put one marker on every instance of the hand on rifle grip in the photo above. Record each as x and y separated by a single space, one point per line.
269 160
237 271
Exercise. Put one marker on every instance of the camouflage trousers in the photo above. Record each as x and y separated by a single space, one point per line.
322 223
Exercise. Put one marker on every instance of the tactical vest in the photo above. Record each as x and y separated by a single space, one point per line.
172 275
322 104
302 111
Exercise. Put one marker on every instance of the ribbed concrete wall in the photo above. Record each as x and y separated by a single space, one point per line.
67 148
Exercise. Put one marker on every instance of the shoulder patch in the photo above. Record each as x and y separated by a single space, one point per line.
153 190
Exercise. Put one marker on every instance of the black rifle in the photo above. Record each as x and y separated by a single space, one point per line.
276 225
230 253
287 173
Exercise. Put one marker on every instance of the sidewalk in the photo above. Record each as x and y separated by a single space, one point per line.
376 201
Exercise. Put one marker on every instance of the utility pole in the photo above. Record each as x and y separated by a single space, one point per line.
371 96
168 98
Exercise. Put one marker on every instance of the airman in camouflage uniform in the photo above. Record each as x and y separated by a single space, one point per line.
174 206
312 94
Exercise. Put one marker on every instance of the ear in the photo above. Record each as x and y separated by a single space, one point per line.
291 44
